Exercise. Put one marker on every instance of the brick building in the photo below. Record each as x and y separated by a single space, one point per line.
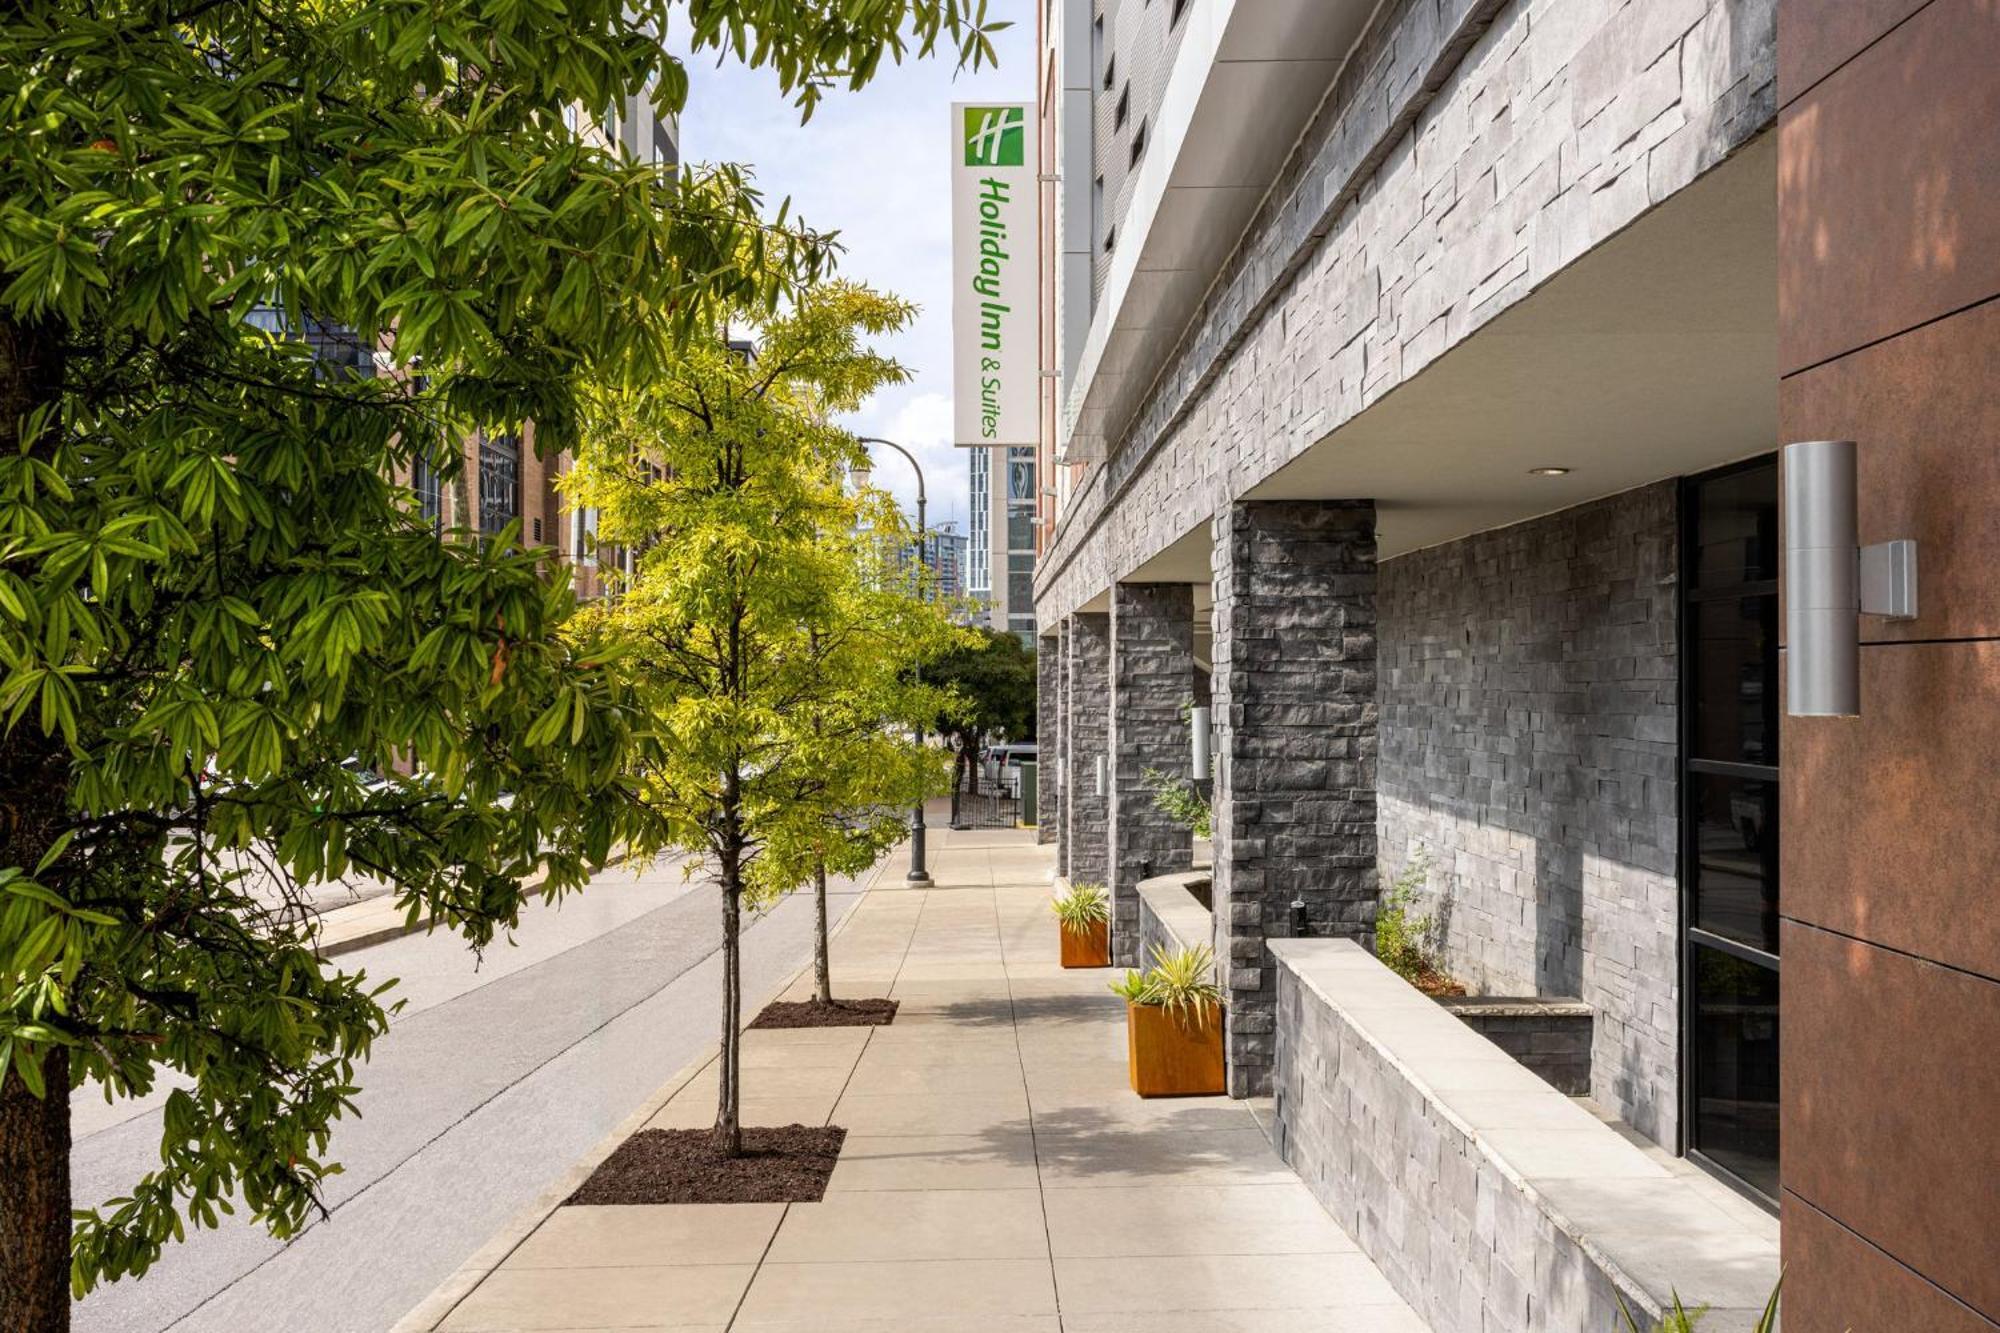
1422 370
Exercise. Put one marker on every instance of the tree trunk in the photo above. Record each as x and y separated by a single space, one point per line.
34 1201
972 756
34 800
729 1089
822 964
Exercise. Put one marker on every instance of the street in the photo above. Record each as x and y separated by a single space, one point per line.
495 1077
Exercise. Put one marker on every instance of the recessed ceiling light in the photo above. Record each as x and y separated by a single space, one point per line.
1548 472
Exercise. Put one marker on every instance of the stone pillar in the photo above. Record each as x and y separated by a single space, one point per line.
1086 695
1048 734
1152 687
1058 774
1294 689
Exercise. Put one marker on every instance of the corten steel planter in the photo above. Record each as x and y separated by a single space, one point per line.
1090 947
1173 1053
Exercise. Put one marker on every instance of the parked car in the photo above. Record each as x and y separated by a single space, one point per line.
1001 763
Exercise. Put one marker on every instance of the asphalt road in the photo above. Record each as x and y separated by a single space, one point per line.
495 1078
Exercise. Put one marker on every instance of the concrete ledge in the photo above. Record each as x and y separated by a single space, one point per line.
1551 1035
1171 916
1492 1202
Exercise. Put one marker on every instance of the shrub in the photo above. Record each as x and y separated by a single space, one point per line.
1179 800
1406 941
1181 982
1084 906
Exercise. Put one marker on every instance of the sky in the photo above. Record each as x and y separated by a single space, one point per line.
874 166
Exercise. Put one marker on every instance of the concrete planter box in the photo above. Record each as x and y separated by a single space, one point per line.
1550 1034
1173 1054
1089 948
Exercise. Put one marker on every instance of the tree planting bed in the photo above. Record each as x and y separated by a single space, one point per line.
837 1014
790 1164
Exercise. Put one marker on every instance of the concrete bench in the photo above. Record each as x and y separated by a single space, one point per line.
1492 1201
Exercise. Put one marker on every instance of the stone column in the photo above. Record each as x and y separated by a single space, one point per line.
1058 774
1294 689
1152 687
1048 729
1086 695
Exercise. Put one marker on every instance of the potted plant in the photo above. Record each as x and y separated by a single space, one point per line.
1083 916
1173 1024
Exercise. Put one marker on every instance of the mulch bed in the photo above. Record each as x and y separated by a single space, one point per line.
838 1014
786 1165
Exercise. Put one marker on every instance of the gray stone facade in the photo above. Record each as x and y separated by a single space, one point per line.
1529 732
1058 775
1294 697
1152 686
1471 150
1087 692
1048 733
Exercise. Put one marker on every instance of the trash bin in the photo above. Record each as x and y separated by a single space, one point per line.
1028 783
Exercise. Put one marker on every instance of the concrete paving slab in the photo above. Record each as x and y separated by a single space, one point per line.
936 1161
871 1226
967 1289
1164 1220
1136 1288
680 1296
592 1236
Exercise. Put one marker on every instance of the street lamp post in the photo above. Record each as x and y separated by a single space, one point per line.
918 873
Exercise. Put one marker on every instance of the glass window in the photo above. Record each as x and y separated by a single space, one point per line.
1021 475
424 480
583 535
1735 1065
1734 878
1729 821
1733 643
499 482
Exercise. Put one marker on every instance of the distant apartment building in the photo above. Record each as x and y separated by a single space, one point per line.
1421 373
945 560
1001 550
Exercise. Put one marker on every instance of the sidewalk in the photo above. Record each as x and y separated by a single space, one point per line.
998 1174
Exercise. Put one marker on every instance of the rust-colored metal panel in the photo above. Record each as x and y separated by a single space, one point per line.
1835 1280
1889 1090
1890 830
1889 186
1173 1054
1925 412
1815 36
1086 948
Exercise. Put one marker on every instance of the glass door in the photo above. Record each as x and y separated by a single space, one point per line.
1729 823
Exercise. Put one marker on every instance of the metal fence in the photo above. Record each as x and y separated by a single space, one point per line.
997 803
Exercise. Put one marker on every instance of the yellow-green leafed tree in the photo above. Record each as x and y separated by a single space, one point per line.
768 643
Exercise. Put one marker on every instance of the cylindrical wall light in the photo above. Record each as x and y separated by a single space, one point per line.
1100 775
1198 718
1822 581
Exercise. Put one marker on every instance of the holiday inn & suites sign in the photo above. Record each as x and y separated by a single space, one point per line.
995 372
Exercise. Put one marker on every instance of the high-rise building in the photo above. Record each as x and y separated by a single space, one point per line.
1420 372
1002 546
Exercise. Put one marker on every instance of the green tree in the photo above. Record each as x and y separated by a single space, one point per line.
867 771
211 595
992 680
747 614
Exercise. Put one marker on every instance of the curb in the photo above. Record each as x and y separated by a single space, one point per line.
435 1308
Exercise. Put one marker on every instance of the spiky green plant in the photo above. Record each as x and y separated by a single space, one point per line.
1680 1319
1179 800
1085 906
1182 982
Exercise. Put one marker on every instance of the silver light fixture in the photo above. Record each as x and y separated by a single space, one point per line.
1830 580
1198 719
1100 775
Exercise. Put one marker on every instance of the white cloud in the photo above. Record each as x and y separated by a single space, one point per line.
874 166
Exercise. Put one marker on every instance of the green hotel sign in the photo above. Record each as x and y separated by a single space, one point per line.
996 286
995 136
